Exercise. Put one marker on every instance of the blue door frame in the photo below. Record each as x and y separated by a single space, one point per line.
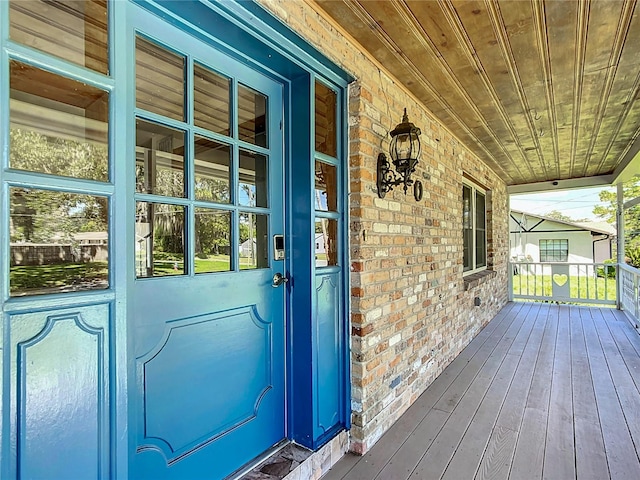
317 361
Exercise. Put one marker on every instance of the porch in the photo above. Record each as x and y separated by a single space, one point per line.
544 391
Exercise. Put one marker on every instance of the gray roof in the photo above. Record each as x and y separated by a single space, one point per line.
603 228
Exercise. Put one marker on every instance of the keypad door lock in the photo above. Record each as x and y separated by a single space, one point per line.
278 247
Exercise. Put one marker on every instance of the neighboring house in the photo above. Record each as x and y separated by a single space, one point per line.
536 238
320 243
246 249
91 238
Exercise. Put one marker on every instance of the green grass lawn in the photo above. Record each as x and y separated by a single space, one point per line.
22 279
166 265
213 263
583 287
85 276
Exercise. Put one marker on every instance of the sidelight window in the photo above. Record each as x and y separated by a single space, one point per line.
59 158
327 217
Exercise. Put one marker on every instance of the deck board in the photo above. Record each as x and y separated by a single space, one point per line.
400 432
559 453
496 463
544 391
470 451
446 395
621 454
439 454
591 460
529 454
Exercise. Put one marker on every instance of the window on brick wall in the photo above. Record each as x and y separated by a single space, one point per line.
556 250
474 227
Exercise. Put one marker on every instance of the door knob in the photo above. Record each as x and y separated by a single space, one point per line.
278 279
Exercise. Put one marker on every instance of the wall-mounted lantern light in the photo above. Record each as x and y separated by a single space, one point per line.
404 151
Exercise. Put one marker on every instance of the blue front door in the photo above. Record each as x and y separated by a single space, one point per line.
208 324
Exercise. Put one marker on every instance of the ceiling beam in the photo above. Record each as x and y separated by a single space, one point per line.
584 182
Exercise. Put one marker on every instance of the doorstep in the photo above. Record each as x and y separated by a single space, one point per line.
293 462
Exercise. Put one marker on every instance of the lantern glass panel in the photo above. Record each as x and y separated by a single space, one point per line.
401 147
416 146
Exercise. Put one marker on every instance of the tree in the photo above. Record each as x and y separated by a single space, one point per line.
213 227
607 211
49 216
557 215
36 152
212 231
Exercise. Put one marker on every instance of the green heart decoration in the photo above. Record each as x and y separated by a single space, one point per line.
560 279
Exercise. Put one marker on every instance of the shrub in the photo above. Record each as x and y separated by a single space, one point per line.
633 256
608 271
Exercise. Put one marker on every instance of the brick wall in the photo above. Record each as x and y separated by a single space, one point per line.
411 310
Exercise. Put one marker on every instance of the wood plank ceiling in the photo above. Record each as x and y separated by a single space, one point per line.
542 90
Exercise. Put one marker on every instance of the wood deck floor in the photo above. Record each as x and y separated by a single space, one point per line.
544 391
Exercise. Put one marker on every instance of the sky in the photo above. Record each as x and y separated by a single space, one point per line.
576 203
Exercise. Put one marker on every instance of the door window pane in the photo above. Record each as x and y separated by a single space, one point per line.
212 160
254 241
253 179
326 187
159 244
213 240
75 31
59 242
326 242
252 116
58 126
159 80
211 100
326 132
159 159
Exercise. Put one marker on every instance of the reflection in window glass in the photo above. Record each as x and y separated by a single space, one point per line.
159 247
159 159
211 100
326 242
252 116
213 240
159 80
467 229
254 241
58 126
481 233
474 228
326 187
212 160
325 108
75 31
253 179
59 242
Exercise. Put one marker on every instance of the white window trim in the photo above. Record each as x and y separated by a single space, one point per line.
475 188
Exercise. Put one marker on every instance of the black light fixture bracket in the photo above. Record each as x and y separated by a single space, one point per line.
387 179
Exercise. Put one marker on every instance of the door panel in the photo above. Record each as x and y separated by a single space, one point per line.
208 327
60 392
